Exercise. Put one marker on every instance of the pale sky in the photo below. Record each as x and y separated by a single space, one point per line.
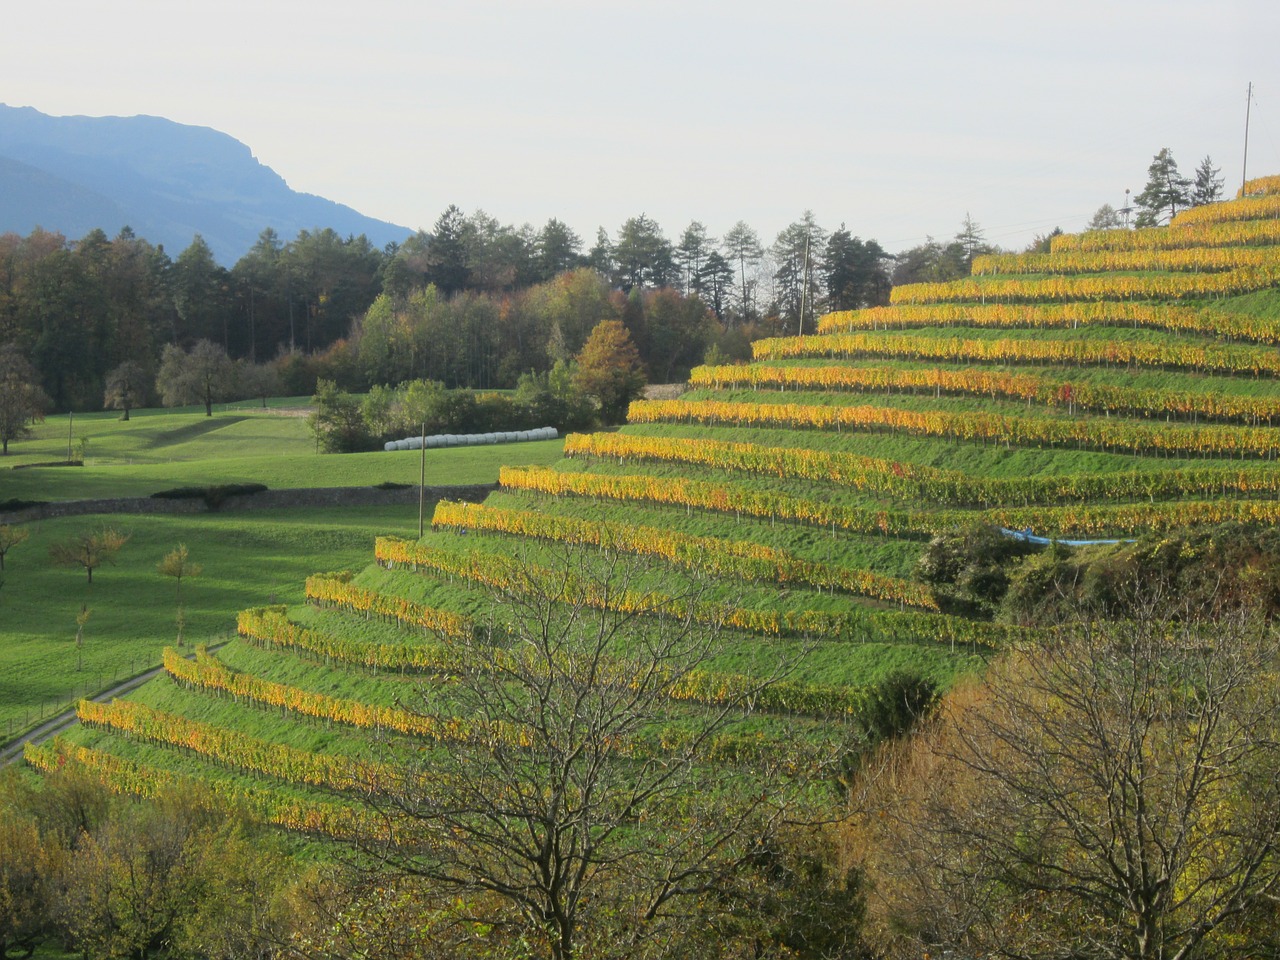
896 118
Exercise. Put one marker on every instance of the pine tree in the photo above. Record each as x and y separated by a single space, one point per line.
1167 191
1207 187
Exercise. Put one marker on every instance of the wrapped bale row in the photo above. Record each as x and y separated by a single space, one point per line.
471 439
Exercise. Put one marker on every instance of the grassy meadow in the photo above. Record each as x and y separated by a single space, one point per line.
248 559
162 449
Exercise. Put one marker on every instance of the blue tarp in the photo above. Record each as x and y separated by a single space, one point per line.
1026 536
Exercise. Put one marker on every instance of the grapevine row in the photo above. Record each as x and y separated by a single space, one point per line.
744 560
855 624
233 748
1057 316
697 686
269 626
130 778
1229 234
1099 398
1075 520
907 481
1069 262
1214 358
1265 207
336 590
209 672
1151 286
1115 436
1260 186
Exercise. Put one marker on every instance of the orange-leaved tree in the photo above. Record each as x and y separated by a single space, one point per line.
610 370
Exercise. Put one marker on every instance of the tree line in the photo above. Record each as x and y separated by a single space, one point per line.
477 302
471 303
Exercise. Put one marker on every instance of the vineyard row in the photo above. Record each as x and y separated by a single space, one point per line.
997 384
1057 316
855 624
1093 433
906 482
743 560
1242 359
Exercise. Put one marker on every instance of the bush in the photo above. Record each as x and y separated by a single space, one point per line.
971 569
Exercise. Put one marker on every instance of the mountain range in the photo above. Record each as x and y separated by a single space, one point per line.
167 181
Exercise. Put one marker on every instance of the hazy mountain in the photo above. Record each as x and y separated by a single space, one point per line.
166 180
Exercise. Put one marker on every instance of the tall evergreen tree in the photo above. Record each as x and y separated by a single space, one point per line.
557 249
796 252
691 253
643 256
1167 191
854 272
742 248
1207 186
447 252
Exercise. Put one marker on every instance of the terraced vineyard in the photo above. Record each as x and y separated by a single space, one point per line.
1125 382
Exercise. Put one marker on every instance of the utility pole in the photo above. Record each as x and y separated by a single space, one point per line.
422 481
804 287
1244 174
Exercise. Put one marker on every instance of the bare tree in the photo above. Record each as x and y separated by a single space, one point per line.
573 808
178 564
10 537
88 550
1112 795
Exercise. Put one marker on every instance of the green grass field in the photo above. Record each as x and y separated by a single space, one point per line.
248 559
161 449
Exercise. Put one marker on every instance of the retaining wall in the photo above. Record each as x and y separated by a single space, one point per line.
335 497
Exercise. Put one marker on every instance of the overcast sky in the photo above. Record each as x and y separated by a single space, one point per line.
895 118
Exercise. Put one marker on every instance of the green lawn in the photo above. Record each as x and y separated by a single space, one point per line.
161 449
248 558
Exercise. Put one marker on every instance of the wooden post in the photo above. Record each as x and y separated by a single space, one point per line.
422 481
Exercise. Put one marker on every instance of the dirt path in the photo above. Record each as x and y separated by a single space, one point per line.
12 750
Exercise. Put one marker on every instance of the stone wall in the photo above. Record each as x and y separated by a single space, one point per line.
335 497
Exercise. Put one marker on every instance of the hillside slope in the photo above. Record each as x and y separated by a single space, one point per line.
1127 382
168 181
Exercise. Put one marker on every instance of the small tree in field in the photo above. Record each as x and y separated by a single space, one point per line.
610 370
177 564
205 375
126 387
10 537
89 550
